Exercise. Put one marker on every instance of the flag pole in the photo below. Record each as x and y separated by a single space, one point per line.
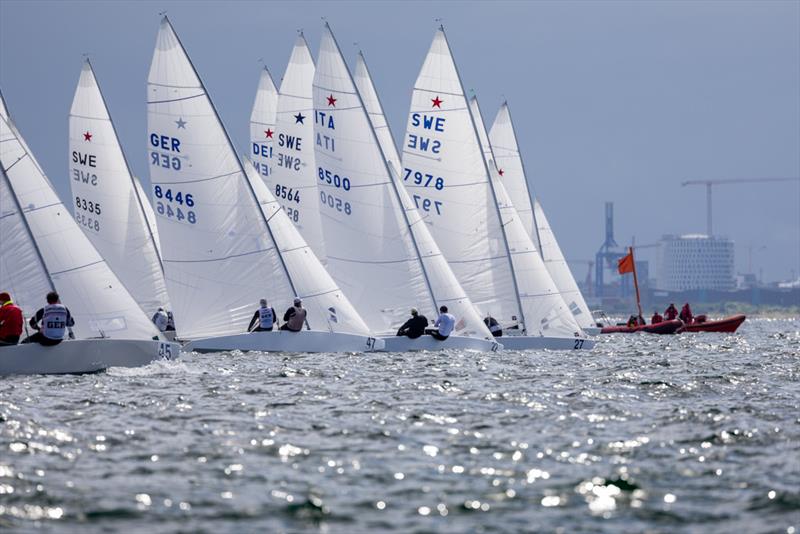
635 282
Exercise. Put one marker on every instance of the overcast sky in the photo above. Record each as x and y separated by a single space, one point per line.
611 100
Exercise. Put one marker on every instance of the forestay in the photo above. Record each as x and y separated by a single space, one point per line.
105 199
505 148
44 249
442 283
471 216
293 178
219 253
262 126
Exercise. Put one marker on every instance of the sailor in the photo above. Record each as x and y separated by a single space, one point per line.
415 326
632 321
686 314
493 325
55 318
443 326
11 321
671 312
295 317
170 322
264 318
161 319
657 318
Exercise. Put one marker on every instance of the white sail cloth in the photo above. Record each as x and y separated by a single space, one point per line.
262 126
43 249
221 252
106 201
293 176
442 287
505 148
471 216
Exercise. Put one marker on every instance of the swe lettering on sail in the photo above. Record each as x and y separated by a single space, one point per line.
293 143
424 143
86 160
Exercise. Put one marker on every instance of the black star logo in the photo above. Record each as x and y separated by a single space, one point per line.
298 119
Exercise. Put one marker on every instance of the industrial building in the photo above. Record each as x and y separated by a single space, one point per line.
695 261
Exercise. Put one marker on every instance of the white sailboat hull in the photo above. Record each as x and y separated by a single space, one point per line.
284 341
544 342
592 330
405 344
83 356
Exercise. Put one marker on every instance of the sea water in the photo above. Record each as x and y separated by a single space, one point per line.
697 433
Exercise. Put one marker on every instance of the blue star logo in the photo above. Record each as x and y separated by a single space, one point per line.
181 123
298 119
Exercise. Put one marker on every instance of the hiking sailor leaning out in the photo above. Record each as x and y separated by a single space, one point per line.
443 326
55 319
415 326
161 320
263 319
295 317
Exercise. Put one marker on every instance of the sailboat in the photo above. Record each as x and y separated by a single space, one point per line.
293 175
223 247
503 141
471 215
378 250
108 202
44 250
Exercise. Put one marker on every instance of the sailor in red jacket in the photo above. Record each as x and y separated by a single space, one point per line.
686 314
671 312
11 321
656 318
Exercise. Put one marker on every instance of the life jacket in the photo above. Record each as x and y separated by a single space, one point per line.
54 321
266 317
297 320
161 320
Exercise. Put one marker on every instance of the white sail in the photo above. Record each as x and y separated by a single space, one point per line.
105 200
149 214
44 249
262 126
442 285
293 178
505 148
219 252
471 216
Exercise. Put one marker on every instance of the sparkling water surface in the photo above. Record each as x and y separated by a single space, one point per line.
690 433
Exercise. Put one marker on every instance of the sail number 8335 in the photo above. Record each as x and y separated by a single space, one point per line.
174 205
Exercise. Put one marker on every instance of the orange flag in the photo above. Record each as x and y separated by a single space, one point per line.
625 264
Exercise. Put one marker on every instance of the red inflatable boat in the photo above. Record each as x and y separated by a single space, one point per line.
664 327
728 324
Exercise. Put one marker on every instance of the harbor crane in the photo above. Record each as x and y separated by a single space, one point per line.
710 183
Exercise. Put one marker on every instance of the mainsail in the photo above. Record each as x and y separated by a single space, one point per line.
442 283
221 249
262 126
504 145
43 249
293 177
106 201
371 250
471 215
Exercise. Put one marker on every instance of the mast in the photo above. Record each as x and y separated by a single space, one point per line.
635 282
531 196
128 167
27 226
494 194
391 174
239 164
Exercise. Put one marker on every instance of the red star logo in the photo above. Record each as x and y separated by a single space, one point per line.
437 102
501 172
269 133
331 101
87 136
